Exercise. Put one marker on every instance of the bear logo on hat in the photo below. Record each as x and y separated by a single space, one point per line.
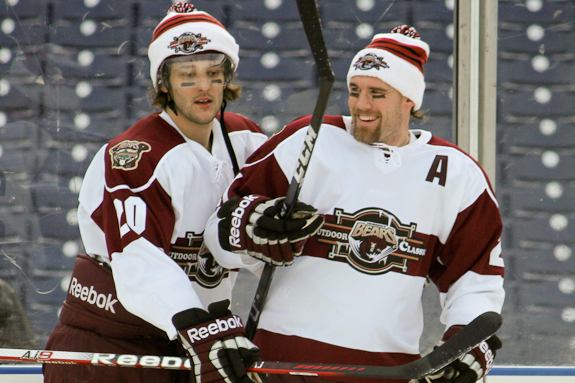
370 61
188 43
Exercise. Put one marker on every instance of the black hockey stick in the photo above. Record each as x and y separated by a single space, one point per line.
469 337
480 329
312 25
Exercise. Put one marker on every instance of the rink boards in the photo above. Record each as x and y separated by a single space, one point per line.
515 374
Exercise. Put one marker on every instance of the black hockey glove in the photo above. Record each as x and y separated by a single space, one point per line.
251 225
470 367
215 341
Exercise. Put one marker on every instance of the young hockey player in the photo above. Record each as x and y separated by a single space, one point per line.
148 285
400 207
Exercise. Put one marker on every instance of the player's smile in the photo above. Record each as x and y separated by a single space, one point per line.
366 118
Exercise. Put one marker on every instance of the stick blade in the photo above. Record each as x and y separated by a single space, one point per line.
470 336
480 329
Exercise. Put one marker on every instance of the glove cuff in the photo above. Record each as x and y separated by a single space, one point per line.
191 317
234 218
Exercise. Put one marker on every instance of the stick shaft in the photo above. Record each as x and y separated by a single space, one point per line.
309 15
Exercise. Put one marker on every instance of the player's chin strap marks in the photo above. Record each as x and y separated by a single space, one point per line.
252 225
470 367
216 344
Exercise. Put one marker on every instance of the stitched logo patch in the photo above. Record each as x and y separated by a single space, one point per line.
127 154
188 43
371 240
370 61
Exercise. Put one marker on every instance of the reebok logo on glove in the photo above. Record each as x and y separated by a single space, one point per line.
217 327
216 344
253 226
488 355
236 220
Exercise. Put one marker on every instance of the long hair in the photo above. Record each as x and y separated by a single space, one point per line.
417 114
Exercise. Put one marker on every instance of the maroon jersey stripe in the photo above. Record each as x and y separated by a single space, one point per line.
295 349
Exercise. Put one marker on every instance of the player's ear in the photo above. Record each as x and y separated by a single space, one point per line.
408 104
161 86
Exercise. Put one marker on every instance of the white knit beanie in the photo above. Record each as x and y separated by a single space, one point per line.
186 31
397 58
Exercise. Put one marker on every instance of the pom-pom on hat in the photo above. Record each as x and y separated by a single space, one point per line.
187 31
396 58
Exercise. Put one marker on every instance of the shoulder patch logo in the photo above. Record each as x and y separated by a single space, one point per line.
127 154
372 241
370 61
188 43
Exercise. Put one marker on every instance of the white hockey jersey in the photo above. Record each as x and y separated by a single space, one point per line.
394 217
144 203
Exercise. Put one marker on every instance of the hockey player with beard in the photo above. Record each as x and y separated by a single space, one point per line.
147 283
400 207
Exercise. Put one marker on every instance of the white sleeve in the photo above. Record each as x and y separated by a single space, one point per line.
470 296
144 276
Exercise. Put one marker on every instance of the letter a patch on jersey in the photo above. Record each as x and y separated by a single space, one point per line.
438 170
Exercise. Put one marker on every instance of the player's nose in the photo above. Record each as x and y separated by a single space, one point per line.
364 102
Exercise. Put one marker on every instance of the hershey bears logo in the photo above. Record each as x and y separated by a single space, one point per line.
188 43
198 263
371 240
127 154
370 61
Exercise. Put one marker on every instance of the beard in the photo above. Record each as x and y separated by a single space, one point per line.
366 135
388 128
